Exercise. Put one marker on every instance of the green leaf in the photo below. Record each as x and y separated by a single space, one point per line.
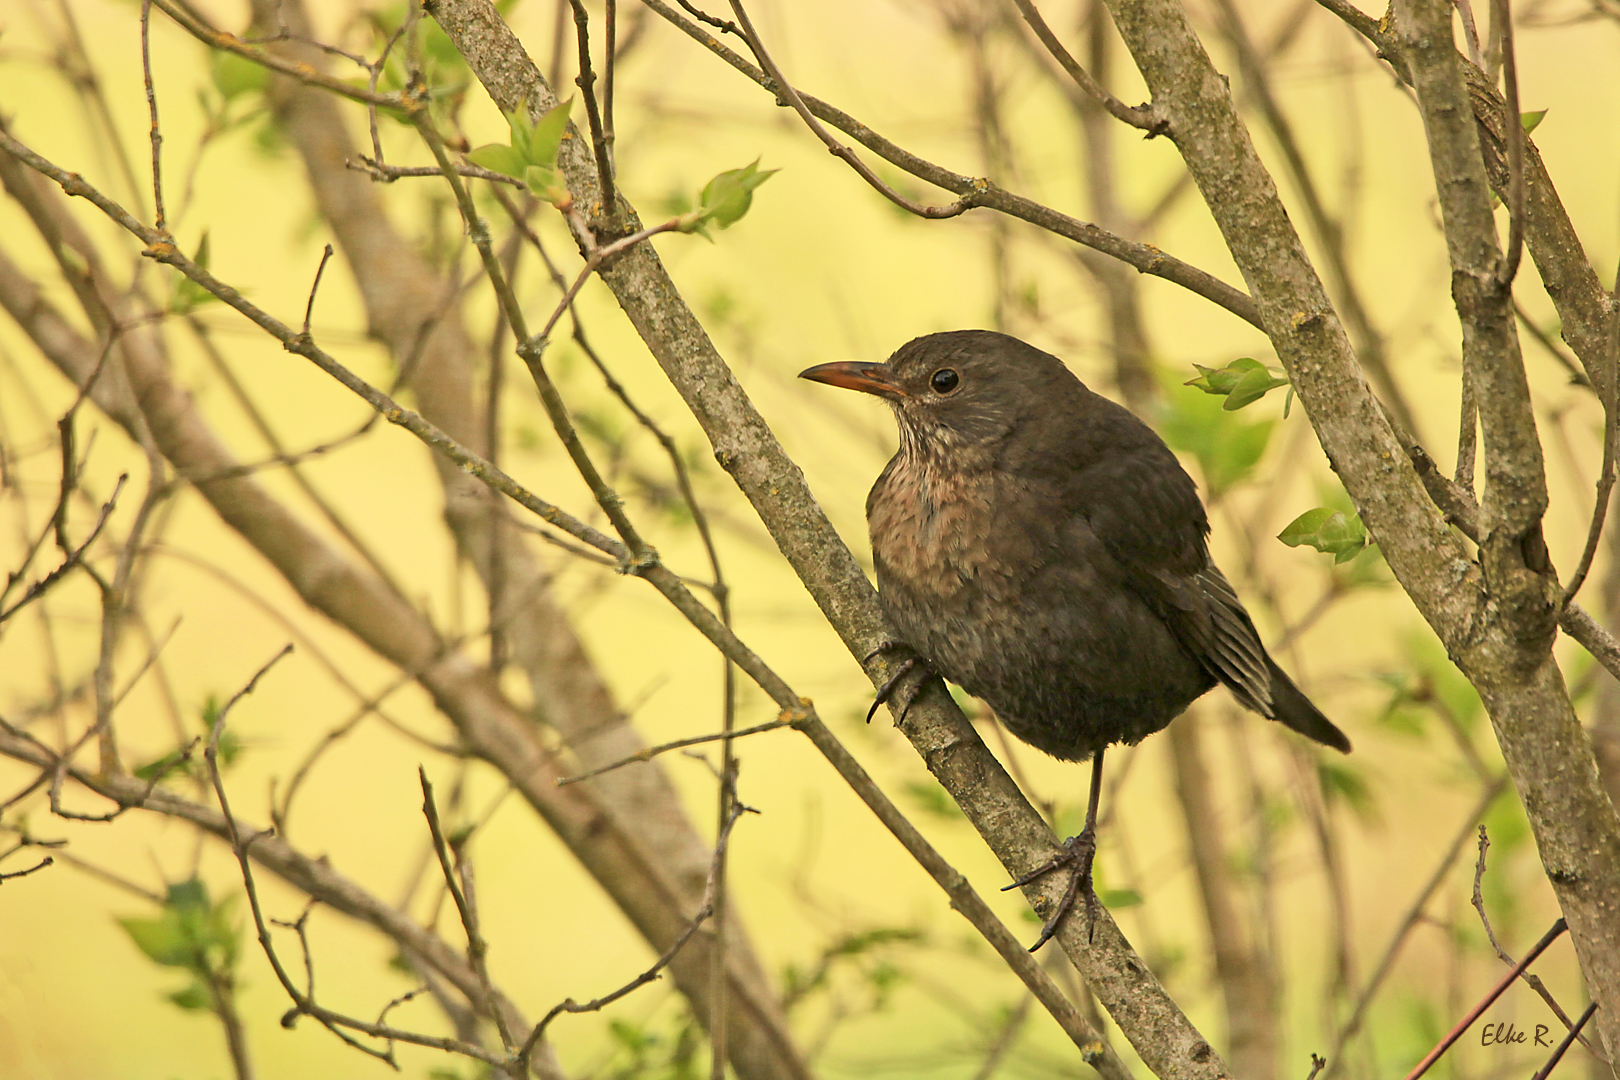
498 158
864 941
931 798
725 199
188 295
1330 531
546 137
234 75
1114 899
1227 448
728 196
544 182
1253 386
1343 783
539 141
189 895
192 998
1220 381
1242 382
163 940
230 747
160 767
1532 120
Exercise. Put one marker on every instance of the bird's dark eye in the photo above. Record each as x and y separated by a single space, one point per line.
944 381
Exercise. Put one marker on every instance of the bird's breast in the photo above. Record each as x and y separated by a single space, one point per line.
932 529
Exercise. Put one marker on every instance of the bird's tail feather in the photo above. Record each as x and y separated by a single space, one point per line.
1295 710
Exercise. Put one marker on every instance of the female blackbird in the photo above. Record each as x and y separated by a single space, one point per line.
1041 547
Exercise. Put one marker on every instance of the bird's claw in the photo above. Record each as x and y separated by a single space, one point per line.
1079 852
886 691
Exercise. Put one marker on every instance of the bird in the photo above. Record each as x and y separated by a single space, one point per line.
1041 547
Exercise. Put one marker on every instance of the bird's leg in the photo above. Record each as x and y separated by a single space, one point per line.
886 691
1079 852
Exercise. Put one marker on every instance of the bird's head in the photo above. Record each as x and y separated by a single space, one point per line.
958 391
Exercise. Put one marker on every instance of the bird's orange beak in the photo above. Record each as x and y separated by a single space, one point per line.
860 375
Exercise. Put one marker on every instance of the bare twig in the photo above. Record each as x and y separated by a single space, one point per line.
314 287
610 64
477 947
663 748
1465 8
408 103
1563 1046
303 1003
1005 1038
73 558
42 864
1502 22
983 192
704 911
1478 898
1578 623
1141 116
389 173
1403 929
151 106
586 80
1531 980
1553 348
1609 392
1495 992
783 88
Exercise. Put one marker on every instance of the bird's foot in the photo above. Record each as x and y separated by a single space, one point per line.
1079 852
886 691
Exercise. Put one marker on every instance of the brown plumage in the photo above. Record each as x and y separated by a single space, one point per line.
1041 547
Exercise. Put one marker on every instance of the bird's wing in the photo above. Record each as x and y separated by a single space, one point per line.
1145 510
1207 616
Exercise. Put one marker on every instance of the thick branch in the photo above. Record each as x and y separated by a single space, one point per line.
773 483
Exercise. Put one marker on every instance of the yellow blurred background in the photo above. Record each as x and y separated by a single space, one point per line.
821 269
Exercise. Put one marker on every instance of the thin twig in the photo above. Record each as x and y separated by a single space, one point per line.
785 89
586 81
1610 395
650 752
309 308
982 192
1414 912
191 23
477 947
74 557
705 910
152 109
42 864
610 63
303 1002
1574 1033
1495 992
389 173
1465 8
725 26
1143 116
592 264
1502 21
1531 980
1005 1038
1542 338
1478 898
